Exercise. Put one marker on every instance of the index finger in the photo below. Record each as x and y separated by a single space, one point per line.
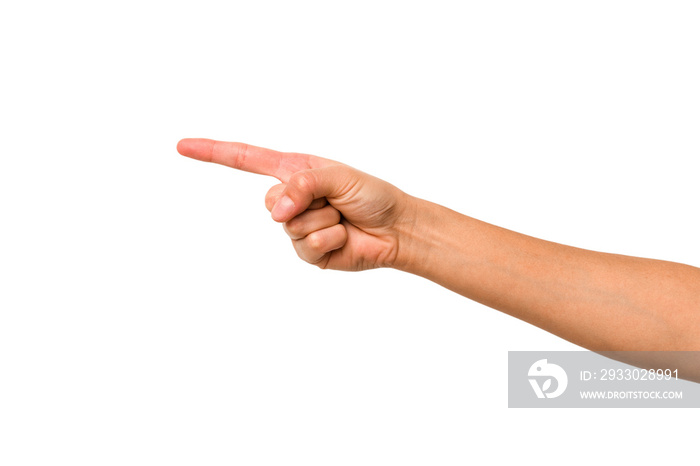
249 158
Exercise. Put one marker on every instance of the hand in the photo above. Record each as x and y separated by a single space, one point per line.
337 217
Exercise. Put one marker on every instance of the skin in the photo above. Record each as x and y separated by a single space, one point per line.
341 218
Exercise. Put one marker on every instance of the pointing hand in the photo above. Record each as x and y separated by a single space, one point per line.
337 217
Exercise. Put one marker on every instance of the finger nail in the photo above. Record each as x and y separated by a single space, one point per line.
282 209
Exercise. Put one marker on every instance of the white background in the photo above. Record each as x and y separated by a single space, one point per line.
152 313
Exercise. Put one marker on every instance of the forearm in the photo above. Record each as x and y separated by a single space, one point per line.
599 301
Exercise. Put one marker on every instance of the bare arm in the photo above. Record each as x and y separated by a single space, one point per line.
599 301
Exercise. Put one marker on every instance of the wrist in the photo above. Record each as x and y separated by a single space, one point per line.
415 235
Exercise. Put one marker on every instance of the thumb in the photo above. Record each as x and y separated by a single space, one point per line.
305 186
275 193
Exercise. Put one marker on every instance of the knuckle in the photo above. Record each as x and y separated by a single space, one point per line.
299 249
273 195
293 227
241 155
275 191
314 241
304 254
303 181
270 200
